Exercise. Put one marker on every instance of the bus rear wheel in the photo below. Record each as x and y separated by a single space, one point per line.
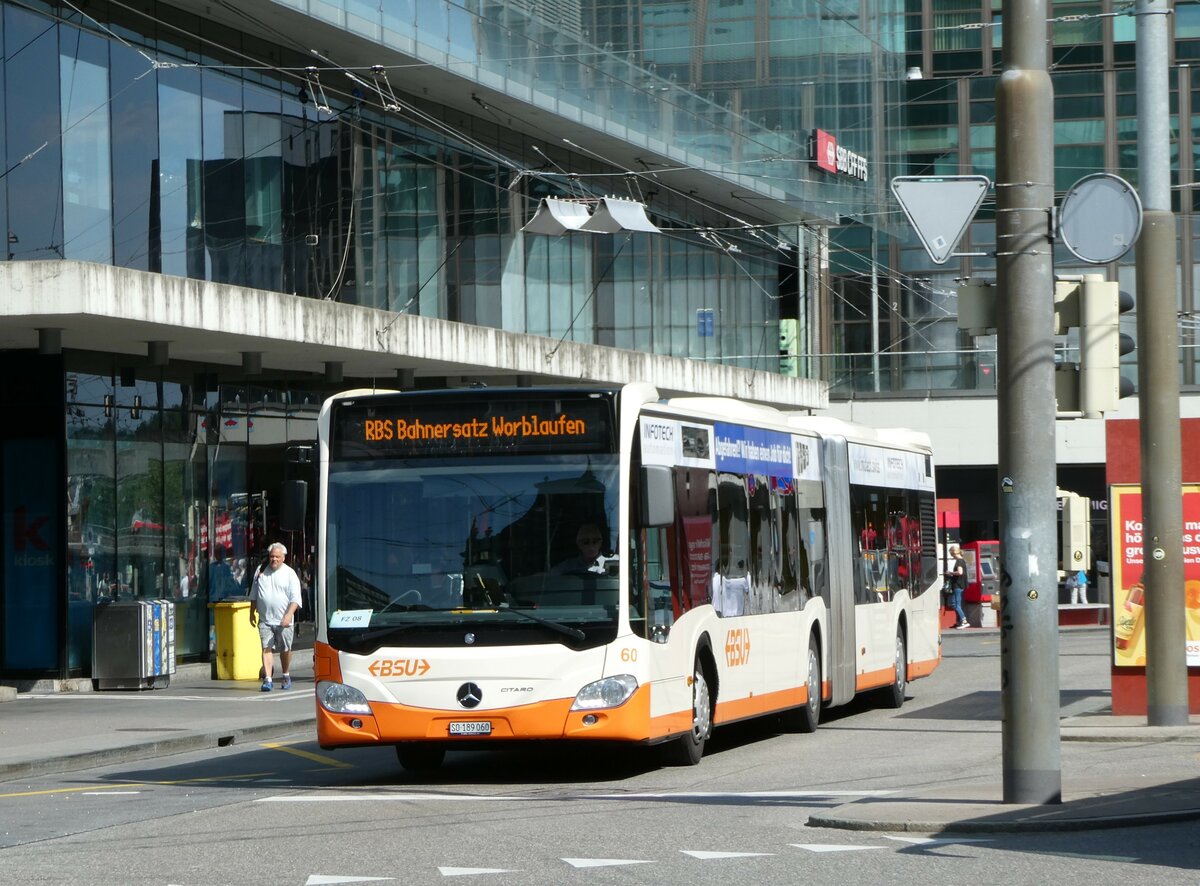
806 717
689 748
420 757
894 694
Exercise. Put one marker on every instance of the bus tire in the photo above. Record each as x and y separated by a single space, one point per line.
689 747
806 717
894 694
419 756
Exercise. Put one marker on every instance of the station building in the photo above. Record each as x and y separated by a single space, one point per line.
218 213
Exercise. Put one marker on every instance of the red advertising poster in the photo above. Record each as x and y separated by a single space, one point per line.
225 531
697 535
1129 631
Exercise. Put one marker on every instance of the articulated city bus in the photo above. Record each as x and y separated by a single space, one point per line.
533 564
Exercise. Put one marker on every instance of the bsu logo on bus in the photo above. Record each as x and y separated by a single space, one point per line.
399 667
737 647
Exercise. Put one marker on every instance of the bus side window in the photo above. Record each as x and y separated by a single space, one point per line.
692 564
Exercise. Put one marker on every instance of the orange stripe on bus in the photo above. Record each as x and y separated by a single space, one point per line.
756 705
632 722
874 679
923 668
887 676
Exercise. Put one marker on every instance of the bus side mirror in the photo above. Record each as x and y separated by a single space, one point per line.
293 505
657 505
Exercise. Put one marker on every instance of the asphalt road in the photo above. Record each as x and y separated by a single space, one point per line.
289 813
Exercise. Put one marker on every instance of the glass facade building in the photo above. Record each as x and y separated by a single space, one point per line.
950 129
393 170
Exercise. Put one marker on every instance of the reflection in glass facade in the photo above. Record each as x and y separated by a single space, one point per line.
165 150
153 137
166 481
951 129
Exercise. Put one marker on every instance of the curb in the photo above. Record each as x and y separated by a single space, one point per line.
151 750
1015 826
1134 734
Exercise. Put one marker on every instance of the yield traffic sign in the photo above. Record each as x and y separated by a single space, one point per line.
940 208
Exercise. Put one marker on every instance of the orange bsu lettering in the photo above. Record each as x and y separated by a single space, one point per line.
399 667
737 647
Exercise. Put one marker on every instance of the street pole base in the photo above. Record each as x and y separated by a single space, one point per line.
1033 786
1166 715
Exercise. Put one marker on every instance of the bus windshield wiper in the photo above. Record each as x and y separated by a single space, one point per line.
573 633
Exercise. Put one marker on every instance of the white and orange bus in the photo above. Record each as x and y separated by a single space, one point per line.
536 564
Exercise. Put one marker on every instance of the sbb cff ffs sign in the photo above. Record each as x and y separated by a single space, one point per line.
828 155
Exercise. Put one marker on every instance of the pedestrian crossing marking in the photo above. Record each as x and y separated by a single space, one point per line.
603 862
832 847
471 872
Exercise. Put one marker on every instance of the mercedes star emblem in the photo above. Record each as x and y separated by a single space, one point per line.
469 695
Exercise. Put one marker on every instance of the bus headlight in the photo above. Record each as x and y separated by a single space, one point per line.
611 692
341 699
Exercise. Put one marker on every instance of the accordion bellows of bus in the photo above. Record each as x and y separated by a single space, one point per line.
604 564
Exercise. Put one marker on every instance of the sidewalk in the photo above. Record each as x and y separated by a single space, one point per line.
1121 800
50 731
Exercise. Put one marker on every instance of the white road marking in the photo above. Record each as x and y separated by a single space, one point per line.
832 847
325 880
471 872
353 798
765 795
690 795
108 793
707 856
252 695
603 862
937 841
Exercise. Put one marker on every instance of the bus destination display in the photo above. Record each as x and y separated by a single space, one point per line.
407 427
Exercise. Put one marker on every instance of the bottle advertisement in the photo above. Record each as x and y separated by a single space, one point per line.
1129 601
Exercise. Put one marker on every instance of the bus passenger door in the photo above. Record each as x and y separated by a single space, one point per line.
840 645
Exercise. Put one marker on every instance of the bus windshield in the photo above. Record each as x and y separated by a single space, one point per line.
524 541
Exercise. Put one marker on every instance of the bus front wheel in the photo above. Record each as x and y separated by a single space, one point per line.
689 748
420 757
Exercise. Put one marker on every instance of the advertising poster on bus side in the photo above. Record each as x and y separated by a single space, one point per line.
1129 624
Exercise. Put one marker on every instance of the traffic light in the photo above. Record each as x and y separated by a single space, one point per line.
1093 305
788 345
977 306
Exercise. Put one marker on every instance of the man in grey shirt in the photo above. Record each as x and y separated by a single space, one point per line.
276 597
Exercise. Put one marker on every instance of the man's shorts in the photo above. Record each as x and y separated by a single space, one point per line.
276 637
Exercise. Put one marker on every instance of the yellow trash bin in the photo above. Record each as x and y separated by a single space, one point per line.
239 648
